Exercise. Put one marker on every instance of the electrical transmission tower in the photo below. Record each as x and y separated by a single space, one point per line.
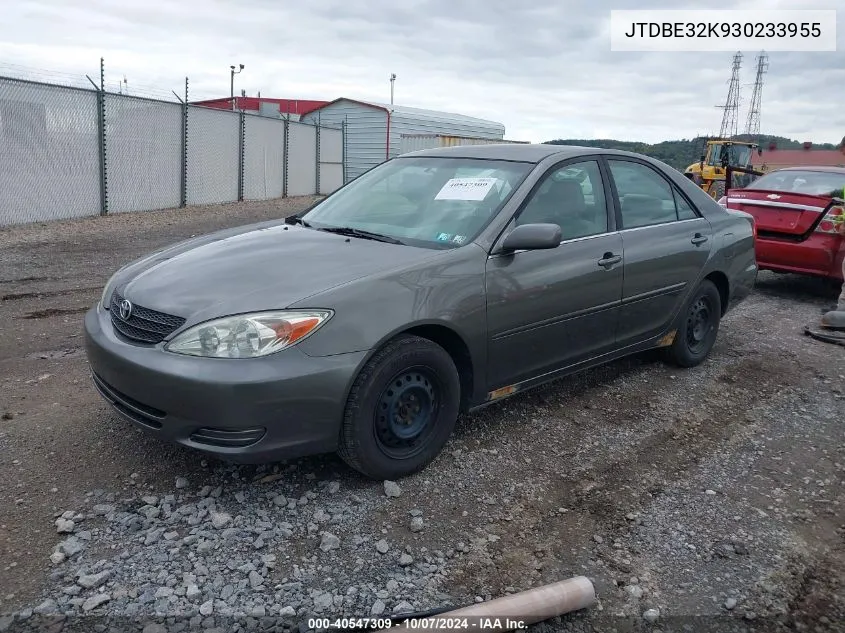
752 124
731 108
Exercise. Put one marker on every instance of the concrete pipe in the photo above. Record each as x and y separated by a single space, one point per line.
512 612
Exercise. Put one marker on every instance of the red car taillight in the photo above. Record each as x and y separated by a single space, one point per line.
831 220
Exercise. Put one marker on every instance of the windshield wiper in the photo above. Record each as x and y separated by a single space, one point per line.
366 235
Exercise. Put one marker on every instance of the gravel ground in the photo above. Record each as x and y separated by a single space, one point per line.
705 499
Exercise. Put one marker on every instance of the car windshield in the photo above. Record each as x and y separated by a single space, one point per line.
434 202
814 183
740 155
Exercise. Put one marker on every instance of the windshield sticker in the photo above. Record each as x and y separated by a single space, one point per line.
444 237
459 239
466 189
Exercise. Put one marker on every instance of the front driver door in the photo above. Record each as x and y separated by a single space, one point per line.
551 308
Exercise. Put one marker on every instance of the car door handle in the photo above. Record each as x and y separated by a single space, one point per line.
609 260
698 238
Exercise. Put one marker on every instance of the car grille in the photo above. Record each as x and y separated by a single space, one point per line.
143 325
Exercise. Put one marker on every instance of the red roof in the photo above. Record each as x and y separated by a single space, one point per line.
808 157
286 106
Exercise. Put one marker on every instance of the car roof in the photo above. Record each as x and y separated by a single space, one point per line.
834 170
524 152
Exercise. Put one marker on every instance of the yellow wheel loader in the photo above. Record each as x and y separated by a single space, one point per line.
709 172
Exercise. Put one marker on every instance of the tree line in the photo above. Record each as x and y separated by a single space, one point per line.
682 153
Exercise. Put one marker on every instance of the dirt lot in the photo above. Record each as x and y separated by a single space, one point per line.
709 499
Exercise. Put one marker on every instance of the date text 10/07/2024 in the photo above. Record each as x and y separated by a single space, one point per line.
422 624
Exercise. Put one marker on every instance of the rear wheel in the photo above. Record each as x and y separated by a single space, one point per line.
699 328
401 410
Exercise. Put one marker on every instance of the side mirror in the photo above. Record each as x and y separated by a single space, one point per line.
531 237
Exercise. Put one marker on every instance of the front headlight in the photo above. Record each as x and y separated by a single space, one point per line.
249 335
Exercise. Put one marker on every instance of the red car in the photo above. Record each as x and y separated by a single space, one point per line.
796 212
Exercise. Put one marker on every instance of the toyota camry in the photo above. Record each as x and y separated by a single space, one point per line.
434 284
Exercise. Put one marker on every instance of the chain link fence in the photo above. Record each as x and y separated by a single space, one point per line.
264 157
49 157
143 154
302 172
213 155
330 160
73 152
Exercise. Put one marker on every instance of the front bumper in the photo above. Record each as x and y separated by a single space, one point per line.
256 410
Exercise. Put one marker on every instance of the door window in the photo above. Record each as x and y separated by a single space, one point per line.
685 211
571 197
644 196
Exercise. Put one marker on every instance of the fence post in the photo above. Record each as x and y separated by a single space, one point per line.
101 138
183 179
317 179
285 157
343 148
241 153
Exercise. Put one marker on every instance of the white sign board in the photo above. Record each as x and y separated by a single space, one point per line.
466 189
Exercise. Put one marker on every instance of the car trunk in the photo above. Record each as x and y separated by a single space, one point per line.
779 214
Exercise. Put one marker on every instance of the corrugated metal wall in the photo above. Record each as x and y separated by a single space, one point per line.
416 142
416 122
366 133
367 129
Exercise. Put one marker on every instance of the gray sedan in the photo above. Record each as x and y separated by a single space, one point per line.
434 284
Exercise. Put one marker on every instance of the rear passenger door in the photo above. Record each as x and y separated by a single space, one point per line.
665 246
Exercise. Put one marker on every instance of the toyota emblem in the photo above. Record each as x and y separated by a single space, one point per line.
125 309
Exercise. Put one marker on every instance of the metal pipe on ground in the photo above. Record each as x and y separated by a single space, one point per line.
520 609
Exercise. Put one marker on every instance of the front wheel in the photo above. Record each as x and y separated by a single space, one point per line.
401 409
697 333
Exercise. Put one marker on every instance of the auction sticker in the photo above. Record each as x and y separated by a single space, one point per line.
466 189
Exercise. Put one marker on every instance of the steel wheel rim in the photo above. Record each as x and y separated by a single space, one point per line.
699 324
406 409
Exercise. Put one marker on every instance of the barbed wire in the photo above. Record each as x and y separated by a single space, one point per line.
42 75
114 82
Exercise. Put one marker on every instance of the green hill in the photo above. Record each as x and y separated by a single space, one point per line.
679 154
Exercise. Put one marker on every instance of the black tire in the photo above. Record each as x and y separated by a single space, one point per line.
717 189
698 329
401 409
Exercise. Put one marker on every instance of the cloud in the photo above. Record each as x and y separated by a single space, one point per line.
546 70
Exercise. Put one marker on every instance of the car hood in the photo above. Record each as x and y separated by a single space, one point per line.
265 268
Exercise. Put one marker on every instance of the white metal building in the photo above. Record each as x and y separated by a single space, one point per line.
374 130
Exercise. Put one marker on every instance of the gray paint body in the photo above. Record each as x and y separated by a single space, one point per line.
374 130
521 319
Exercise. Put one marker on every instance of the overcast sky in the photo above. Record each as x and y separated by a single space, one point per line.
545 71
